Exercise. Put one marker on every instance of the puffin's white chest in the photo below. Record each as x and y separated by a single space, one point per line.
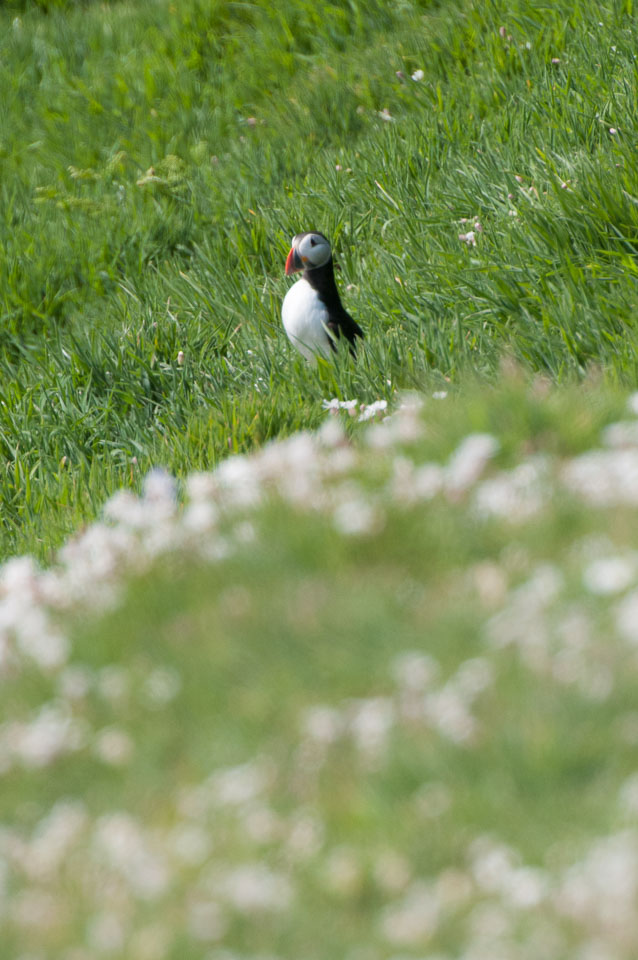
305 318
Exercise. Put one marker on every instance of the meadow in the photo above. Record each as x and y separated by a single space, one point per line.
310 661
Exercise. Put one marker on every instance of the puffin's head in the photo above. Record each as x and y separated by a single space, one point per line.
308 250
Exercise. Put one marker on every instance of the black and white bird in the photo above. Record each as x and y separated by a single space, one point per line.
313 315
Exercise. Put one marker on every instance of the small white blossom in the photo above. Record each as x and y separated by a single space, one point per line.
609 575
372 409
469 460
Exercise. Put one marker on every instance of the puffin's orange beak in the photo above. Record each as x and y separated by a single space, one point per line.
293 262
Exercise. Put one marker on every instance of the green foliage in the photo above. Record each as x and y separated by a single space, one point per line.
289 740
157 157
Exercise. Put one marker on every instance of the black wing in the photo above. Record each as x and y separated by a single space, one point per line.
344 325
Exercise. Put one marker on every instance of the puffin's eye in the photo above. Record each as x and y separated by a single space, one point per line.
313 242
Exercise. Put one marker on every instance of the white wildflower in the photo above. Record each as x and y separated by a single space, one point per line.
601 889
342 871
414 919
255 888
391 871
236 786
121 842
418 75
201 486
38 742
468 461
609 575
306 836
516 494
53 839
604 478
448 712
410 484
206 920
372 409
159 487
334 405
414 671
162 685
190 843
624 433
261 824
239 482
106 932
113 746
113 683
370 722
74 682
322 724
356 517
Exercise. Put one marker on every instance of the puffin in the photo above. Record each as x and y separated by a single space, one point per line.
312 312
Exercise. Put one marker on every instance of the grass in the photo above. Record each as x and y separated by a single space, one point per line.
243 732
324 742
108 271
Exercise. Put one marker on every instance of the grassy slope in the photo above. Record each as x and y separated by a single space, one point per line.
107 272
375 828
190 803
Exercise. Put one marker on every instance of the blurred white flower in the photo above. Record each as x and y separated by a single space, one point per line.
370 722
190 843
162 685
391 871
342 871
113 746
448 712
516 494
237 786
468 461
120 842
306 835
255 888
609 575
206 920
413 920
601 889
334 405
414 671
106 932
418 75
372 409
51 732
322 724
624 433
356 517
604 477
53 838
113 683
159 486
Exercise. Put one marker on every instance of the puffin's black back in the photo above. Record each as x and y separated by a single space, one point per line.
322 279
